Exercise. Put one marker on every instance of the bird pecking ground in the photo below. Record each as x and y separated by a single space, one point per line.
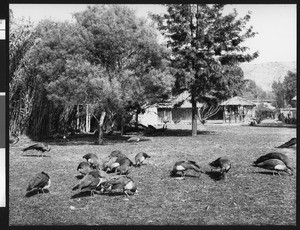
248 196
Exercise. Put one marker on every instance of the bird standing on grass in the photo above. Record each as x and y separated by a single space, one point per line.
84 167
182 166
40 182
41 147
116 153
118 161
223 163
134 139
288 144
119 184
14 139
274 155
140 157
111 164
274 165
125 164
92 159
89 182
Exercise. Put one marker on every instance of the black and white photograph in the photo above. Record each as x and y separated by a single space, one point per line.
152 114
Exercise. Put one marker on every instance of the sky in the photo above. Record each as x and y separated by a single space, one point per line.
276 24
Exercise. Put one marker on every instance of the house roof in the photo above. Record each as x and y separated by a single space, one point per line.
294 98
237 101
180 101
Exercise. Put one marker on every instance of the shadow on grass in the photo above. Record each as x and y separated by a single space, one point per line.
271 173
90 139
35 192
81 194
177 176
34 155
79 177
275 126
180 133
215 175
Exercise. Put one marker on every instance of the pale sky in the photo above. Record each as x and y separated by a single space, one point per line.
275 23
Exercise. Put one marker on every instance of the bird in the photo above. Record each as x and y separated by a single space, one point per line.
40 182
123 184
14 139
182 166
89 182
223 163
275 155
84 167
288 144
92 159
125 164
116 153
42 147
140 157
111 164
134 139
273 164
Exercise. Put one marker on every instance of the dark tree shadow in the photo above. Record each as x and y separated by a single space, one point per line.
180 132
91 139
35 192
272 126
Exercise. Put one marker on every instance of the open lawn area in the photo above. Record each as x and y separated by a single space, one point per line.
249 196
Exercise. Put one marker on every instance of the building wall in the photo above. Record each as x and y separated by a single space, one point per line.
150 117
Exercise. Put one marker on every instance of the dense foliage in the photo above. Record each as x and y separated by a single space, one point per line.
109 59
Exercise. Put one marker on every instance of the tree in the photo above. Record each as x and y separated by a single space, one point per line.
206 50
290 86
278 89
286 90
127 47
21 40
253 91
125 71
52 45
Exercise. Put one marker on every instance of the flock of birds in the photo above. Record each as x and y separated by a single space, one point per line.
111 175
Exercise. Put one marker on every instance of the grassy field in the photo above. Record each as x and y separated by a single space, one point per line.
249 196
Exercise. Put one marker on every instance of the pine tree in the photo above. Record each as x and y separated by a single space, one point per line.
206 50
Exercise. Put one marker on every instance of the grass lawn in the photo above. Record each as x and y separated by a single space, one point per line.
249 196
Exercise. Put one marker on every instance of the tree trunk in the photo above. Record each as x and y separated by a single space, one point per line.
137 118
194 116
122 125
87 119
100 138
